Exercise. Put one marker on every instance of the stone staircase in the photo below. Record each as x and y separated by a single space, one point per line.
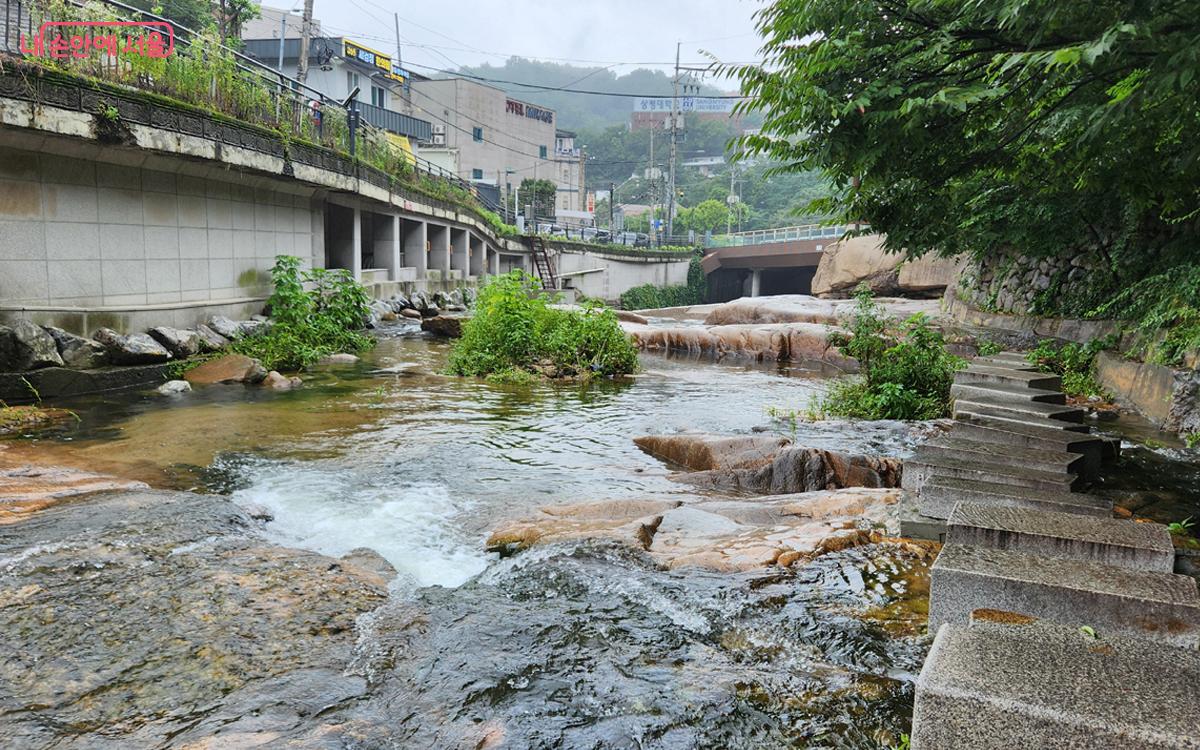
1029 559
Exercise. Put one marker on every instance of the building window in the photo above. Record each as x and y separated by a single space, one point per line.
476 174
541 152
477 134
379 97
351 81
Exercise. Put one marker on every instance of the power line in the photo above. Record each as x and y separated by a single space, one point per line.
564 89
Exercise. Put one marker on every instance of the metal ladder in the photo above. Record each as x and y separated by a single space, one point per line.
542 264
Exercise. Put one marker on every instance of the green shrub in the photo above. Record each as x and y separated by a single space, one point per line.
515 329
308 324
1075 363
904 372
650 296
1166 311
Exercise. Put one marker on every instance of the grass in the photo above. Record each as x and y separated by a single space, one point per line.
1074 363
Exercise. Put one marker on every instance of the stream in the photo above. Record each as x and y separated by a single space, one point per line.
584 644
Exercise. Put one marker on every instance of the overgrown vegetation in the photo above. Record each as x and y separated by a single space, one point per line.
308 324
905 371
515 335
650 296
1055 129
1075 363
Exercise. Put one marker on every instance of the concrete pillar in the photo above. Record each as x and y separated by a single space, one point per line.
356 261
394 265
460 250
439 249
493 261
416 246
478 266
385 243
755 282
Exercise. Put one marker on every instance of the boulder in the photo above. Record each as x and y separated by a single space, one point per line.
388 317
703 452
338 359
174 387
630 317
448 326
802 469
25 346
629 521
408 312
929 275
134 349
254 327
230 329
180 343
231 368
280 382
370 562
210 340
847 263
76 351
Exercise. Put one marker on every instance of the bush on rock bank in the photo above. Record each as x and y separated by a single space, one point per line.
515 334
905 371
308 324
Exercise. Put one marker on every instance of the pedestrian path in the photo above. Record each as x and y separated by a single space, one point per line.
1032 561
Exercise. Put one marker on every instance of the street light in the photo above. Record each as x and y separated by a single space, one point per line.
283 31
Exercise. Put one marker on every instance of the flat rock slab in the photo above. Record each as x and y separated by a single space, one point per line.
940 494
1072 592
996 685
704 452
1003 406
929 462
1111 541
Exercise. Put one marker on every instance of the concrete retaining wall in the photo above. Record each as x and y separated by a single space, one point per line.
608 275
1169 398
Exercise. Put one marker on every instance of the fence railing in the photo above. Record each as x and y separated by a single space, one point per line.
783 234
202 71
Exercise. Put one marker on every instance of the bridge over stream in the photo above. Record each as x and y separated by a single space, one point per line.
767 261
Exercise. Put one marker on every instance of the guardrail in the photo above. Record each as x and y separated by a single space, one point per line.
783 234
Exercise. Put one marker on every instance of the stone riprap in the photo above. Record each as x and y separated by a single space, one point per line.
1004 682
1022 544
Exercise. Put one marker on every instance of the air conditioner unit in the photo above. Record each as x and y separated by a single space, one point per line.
439 129
439 139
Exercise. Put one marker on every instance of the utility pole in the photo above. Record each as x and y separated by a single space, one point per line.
399 60
305 35
674 145
730 201
612 199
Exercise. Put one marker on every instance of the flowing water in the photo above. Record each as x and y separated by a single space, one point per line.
572 645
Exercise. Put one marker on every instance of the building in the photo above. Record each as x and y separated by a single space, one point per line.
501 140
338 65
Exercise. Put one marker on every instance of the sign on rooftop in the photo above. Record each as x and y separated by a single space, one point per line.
686 104
367 56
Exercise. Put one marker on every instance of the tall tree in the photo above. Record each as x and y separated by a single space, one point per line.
1030 124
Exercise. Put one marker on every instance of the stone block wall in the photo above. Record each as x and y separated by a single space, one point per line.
1012 283
84 233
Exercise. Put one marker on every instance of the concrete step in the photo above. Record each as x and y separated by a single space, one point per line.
1007 376
940 494
927 462
1072 592
1004 682
1000 406
1054 437
1010 455
965 413
971 391
1111 541
1013 360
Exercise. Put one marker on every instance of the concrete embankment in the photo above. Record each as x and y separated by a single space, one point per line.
1052 617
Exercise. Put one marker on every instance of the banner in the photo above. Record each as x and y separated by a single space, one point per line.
687 104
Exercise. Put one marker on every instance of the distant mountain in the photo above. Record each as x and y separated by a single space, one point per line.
579 111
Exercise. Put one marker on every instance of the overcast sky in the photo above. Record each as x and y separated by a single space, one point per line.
445 33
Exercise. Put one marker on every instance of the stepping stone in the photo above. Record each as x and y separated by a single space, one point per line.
929 461
972 391
1011 360
1111 541
1001 683
1011 455
1007 376
964 414
1073 592
940 494
1054 437
1001 406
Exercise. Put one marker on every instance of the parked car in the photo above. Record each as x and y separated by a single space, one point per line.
643 240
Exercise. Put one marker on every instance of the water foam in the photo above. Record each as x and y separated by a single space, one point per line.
334 510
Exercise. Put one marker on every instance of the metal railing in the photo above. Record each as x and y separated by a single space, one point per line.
398 123
783 234
204 72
